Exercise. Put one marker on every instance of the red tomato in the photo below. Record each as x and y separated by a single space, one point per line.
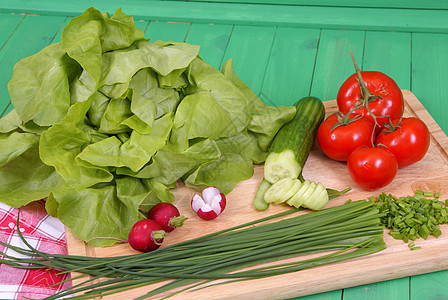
339 142
372 168
379 84
409 142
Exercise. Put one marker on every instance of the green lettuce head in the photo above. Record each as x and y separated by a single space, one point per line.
106 122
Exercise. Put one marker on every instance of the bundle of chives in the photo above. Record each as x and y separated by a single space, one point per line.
339 233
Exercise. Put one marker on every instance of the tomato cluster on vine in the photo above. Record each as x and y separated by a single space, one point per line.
370 131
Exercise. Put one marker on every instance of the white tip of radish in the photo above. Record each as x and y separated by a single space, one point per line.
215 204
209 193
206 208
197 202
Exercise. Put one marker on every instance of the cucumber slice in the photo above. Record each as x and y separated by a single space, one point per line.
313 200
296 200
281 165
259 201
278 189
308 193
295 187
323 200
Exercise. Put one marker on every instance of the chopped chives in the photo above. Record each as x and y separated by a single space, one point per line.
437 205
437 233
421 210
413 217
417 221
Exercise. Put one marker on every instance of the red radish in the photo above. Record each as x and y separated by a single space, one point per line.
167 215
210 205
146 235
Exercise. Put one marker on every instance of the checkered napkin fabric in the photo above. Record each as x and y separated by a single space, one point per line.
43 232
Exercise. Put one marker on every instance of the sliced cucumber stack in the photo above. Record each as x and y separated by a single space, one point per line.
287 155
282 190
296 193
297 199
317 199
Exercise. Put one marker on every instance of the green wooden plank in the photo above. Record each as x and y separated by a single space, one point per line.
213 39
429 74
431 4
333 63
57 38
8 24
291 65
431 286
167 31
397 289
390 53
143 25
33 34
249 47
366 18
332 295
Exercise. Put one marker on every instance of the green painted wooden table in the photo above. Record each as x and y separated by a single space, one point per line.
283 51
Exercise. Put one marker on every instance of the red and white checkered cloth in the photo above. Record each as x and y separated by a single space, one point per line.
43 232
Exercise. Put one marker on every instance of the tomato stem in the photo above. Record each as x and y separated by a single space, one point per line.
344 119
366 95
366 98
390 127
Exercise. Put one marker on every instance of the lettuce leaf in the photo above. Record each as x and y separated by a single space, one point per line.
91 34
44 78
134 153
168 166
15 144
147 92
27 178
96 212
266 120
234 165
61 143
105 123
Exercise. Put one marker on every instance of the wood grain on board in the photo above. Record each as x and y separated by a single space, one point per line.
430 174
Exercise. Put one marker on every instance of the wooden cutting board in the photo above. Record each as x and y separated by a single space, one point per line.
430 174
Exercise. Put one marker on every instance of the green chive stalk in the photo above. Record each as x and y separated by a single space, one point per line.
339 233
